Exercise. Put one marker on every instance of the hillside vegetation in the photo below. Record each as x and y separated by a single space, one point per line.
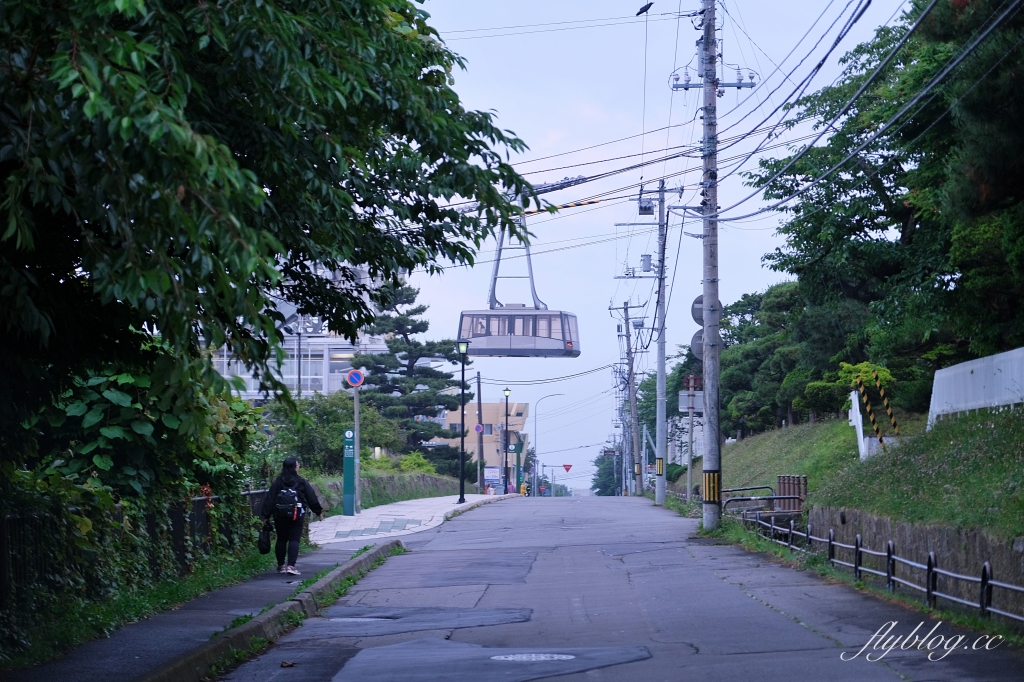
966 472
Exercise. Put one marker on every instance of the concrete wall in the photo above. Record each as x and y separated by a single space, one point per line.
994 381
378 490
959 550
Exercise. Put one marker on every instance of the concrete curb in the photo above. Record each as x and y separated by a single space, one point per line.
193 665
479 503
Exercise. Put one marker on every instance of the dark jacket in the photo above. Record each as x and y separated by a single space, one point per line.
306 496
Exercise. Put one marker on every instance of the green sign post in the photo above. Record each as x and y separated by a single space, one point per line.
517 448
349 474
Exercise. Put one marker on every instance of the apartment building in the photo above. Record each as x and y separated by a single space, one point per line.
493 421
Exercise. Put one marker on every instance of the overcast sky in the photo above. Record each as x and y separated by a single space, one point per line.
565 75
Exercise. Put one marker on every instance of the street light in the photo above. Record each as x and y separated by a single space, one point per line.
504 467
536 450
463 347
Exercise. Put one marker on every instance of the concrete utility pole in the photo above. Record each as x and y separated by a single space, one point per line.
479 436
661 430
712 306
634 417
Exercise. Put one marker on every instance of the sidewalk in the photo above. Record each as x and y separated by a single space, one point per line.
141 647
389 520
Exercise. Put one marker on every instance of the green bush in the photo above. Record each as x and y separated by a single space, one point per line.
415 461
673 472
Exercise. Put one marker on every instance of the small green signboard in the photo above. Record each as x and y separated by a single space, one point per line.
349 474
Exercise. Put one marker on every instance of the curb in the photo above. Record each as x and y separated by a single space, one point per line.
193 665
479 503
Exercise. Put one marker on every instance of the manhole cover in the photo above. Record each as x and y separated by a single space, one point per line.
356 620
533 657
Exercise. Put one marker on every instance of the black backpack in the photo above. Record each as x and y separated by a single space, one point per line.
287 504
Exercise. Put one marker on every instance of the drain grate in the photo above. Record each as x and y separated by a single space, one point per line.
521 658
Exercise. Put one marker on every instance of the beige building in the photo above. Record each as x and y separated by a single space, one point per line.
494 424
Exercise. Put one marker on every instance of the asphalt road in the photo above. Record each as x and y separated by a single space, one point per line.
609 589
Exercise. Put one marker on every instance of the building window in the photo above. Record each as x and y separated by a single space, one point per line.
488 429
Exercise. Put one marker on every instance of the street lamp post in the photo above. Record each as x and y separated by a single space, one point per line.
504 461
536 451
463 349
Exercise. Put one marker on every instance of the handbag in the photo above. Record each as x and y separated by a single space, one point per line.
263 543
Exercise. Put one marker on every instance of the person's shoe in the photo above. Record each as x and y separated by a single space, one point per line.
280 569
290 570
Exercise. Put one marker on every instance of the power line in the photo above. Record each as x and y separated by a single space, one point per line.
631 20
521 382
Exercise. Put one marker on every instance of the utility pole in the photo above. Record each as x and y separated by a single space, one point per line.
634 418
712 306
479 436
661 429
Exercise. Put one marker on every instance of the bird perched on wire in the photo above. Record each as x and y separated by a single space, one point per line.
644 8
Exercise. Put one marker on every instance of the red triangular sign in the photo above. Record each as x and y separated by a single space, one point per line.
567 467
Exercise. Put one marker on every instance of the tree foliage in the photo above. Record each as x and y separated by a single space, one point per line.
924 226
318 439
173 167
605 481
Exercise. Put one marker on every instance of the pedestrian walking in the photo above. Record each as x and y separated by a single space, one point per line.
288 501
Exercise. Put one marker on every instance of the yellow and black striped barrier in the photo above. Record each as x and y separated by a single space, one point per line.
885 401
867 407
557 208
712 487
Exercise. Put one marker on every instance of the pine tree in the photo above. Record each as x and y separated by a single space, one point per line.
403 387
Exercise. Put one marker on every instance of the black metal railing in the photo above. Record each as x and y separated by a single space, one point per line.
803 541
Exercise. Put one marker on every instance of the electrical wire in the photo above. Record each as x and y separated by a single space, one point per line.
529 382
631 20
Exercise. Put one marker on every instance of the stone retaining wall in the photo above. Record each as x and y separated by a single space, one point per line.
959 550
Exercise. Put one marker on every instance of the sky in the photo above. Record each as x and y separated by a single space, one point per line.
567 75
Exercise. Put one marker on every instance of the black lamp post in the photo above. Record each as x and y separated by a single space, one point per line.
463 346
504 468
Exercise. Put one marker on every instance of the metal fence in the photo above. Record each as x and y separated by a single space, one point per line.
896 570
24 554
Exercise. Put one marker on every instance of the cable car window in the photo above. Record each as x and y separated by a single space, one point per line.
498 325
544 326
518 327
466 328
528 325
574 334
556 327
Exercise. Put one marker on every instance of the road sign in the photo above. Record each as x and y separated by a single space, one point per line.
567 467
515 447
697 404
479 428
355 378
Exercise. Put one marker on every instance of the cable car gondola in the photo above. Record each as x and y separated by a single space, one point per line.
513 330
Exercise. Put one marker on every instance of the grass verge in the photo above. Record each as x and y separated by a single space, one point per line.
732 531
293 619
90 620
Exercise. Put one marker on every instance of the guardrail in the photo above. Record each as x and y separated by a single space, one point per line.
985 582
763 498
